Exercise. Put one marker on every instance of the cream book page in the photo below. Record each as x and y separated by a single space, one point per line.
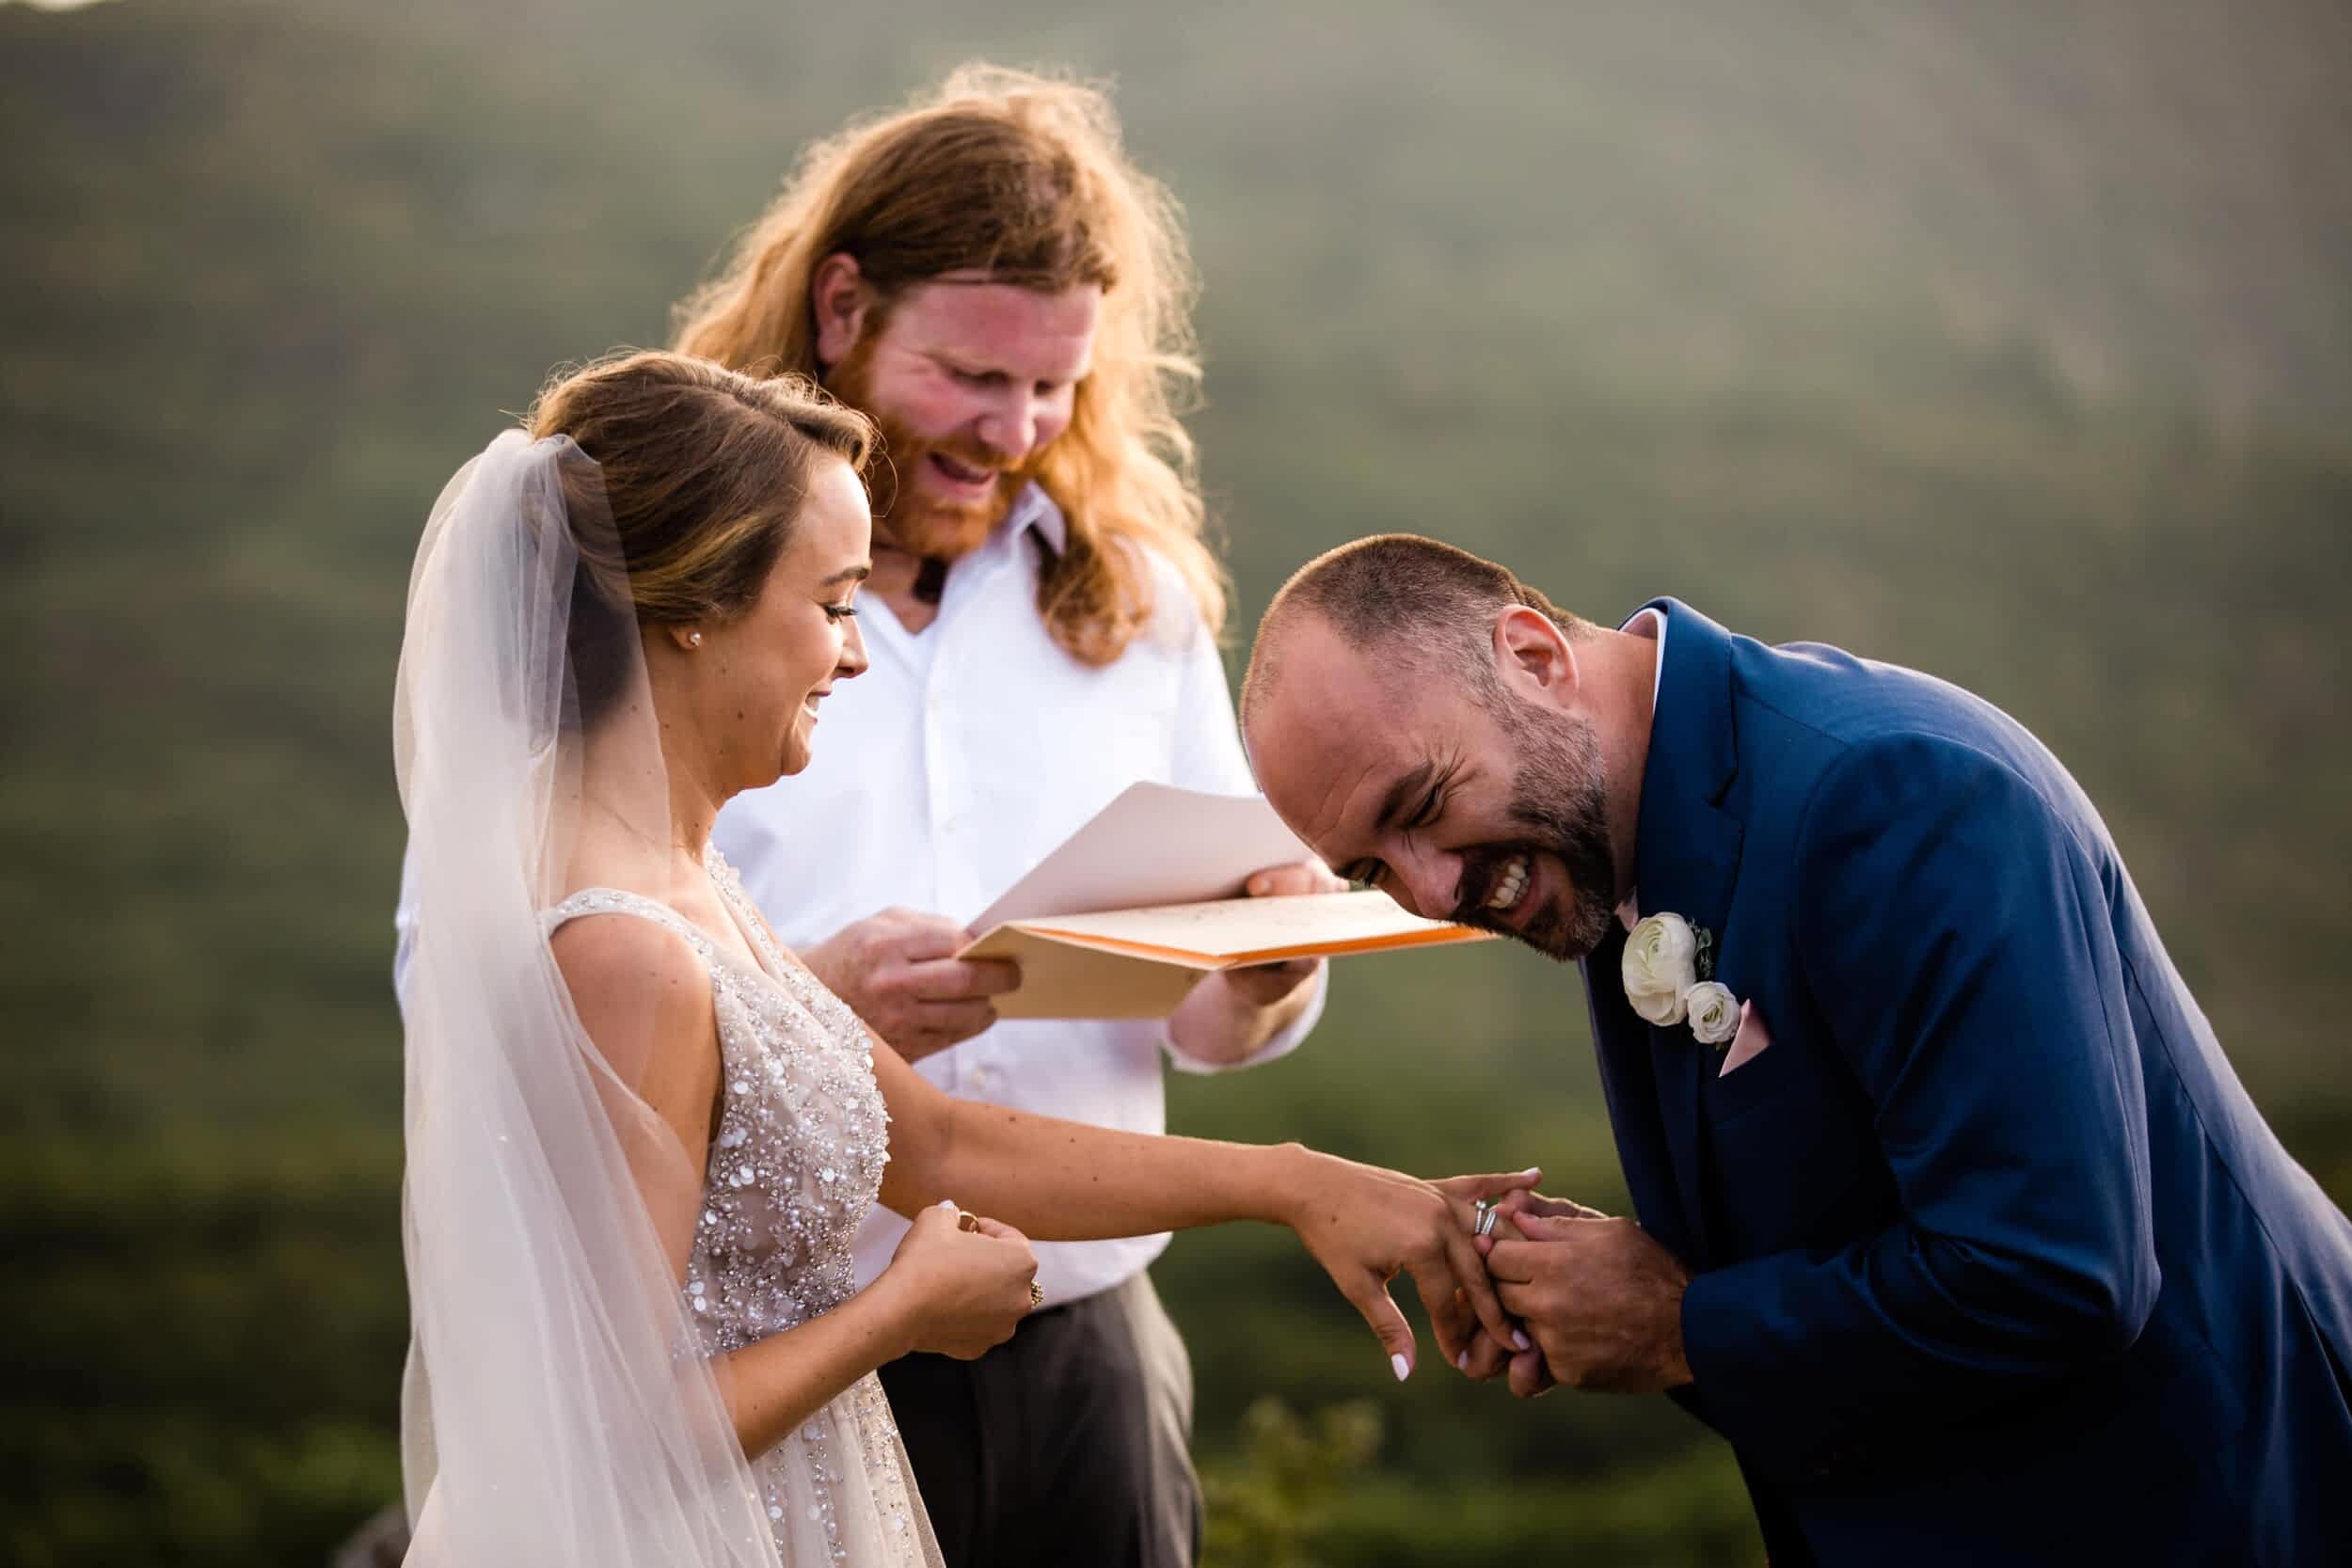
1140 963
1155 844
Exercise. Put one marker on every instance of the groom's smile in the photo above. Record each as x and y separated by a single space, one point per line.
1510 887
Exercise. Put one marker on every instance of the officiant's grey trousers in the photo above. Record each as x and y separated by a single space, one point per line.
1069 1443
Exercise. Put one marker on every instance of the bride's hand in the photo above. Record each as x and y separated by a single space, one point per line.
1366 1226
961 1291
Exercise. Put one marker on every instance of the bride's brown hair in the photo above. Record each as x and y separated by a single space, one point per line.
1022 178
701 470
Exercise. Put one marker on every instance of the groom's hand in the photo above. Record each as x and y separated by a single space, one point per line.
1531 1202
1488 1357
1603 1299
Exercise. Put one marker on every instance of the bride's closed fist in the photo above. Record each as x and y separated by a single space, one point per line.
962 1281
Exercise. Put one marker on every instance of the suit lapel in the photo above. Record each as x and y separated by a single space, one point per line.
1623 1047
1686 859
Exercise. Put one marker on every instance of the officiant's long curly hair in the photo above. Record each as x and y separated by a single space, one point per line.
1022 177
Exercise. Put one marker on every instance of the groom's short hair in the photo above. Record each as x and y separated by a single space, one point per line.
1425 606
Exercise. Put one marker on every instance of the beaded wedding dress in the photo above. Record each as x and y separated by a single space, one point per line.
794 1165
578 1277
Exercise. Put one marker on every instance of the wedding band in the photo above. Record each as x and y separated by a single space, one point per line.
1036 1295
1486 1213
967 1220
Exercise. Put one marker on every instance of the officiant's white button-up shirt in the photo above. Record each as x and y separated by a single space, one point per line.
952 766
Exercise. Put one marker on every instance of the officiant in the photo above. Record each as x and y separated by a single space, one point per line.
988 277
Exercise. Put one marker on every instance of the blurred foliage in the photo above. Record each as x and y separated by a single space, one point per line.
1265 1501
2010 341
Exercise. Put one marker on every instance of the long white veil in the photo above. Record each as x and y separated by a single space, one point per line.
558 1408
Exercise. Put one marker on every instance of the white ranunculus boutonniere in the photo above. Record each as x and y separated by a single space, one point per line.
1714 1013
1667 967
1661 959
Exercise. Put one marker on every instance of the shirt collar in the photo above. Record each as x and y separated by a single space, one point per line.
1034 509
1032 512
1649 622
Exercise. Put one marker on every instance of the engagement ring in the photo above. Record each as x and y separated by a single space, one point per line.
1485 1213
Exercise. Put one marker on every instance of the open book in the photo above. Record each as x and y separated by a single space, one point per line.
1136 906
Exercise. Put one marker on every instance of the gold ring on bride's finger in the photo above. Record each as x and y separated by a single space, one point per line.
1036 1295
967 1220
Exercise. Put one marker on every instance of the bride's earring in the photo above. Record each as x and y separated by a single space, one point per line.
694 640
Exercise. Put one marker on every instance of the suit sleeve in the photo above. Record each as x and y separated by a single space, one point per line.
1956 938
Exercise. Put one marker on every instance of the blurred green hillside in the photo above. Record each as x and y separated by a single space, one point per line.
2008 341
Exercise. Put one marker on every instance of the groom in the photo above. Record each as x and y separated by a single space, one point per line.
1954 1219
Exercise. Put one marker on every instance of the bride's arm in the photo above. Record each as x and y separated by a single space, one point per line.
1066 1180
645 999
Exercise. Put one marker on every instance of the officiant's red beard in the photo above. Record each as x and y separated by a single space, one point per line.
1559 808
909 513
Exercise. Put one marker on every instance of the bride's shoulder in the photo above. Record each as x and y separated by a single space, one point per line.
634 982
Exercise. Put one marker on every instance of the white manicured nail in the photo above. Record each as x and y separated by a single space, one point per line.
1402 1367
1518 1339
1532 1172
1461 1362
948 1203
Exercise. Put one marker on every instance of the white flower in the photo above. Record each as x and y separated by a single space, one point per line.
1660 964
1715 1012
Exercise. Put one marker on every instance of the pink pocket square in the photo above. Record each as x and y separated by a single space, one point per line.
1748 1043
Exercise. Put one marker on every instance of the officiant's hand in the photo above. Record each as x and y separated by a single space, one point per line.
1264 984
1231 1015
898 972
1603 1299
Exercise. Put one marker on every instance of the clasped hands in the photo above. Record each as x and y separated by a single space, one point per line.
1555 1293
1597 1301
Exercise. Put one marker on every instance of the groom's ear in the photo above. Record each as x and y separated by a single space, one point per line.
1535 657
838 299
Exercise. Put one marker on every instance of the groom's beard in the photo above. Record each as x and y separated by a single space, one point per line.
1559 801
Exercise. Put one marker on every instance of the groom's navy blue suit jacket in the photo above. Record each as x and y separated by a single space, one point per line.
1994 1261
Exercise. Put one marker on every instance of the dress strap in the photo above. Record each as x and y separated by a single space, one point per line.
749 920
612 900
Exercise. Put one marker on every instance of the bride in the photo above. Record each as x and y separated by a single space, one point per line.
640 1134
